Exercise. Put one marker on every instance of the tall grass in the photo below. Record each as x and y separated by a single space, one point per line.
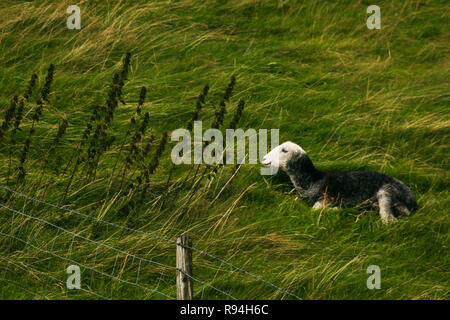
353 98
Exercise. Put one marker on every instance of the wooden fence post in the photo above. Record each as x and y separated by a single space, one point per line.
184 266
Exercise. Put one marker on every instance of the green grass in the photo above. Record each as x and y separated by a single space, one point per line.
353 98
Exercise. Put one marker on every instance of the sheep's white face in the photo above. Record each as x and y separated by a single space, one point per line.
279 156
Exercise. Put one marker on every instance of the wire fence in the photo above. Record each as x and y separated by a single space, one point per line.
123 280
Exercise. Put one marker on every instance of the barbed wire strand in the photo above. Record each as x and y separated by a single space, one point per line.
137 277
9 252
109 247
154 236
83 265
112 274
24 289
4 277
84 238
50 260
93 264
49 276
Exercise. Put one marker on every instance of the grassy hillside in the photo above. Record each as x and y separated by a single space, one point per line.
353 98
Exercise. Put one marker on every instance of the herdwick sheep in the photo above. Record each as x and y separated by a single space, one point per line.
340 188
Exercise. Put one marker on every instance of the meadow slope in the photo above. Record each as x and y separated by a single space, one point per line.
353 98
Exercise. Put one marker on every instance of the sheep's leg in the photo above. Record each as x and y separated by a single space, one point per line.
385 204
319 205
402 209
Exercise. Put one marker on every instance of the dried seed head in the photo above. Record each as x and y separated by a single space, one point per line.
142 96
237 115
30 87
48 81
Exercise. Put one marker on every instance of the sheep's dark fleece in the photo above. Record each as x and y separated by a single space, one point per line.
343 188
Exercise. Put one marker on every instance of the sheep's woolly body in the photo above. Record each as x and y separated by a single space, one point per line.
340 188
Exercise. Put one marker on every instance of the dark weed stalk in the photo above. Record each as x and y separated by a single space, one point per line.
142 95
220 115
220 112
78 154
115 95
136 152
18 119
147 146
229 89
123 76
216 124
19 116
128 132
30 87
48 82
235 121
132 126
133 151
200 100
9 115
61 131
59 134
198 106
96 147
112 102
237 116
45 91
142 184
137 137
95 116
233 124
36 116
154 163
98 143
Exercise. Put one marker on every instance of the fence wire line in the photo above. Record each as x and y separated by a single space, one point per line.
109 247
24 289
83 265
155 237
46 274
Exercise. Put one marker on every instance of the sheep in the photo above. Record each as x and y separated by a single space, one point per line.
324 189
